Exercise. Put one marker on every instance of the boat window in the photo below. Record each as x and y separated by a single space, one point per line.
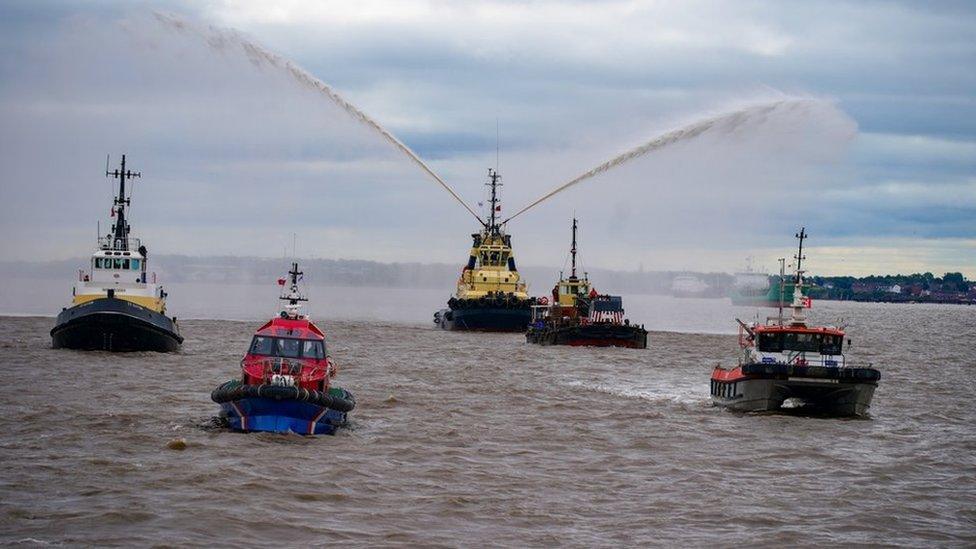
794 341
832 345
312 349
287 348
777 342
484 258
770 343
98 263
262 346
134 263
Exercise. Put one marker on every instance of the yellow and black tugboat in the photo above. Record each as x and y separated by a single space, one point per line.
580 316
491 295
115 307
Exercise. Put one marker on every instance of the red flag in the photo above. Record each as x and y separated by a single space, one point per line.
281 281
498 208
112 214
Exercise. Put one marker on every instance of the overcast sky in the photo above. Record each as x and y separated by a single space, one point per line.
880 165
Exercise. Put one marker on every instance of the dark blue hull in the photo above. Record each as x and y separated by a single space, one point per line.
281 416
484 319
111 324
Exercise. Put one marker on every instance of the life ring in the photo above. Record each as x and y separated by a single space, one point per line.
543 300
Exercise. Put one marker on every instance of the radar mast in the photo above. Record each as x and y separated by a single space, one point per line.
120 233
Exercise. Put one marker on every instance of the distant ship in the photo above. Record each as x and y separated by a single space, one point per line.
791 360
491 295
688 286
580 316
115 305
756 289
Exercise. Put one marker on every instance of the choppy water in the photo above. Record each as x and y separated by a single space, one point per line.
478 439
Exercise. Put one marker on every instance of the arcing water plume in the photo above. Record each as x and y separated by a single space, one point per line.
723 124
219 39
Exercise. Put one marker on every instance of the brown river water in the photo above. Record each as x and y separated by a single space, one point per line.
465 439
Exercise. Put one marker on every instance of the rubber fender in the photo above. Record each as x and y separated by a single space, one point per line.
336 398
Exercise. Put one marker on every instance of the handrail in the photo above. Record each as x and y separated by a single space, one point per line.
108 243
297 367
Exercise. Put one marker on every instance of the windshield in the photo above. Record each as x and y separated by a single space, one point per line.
287 347
777 342
312 349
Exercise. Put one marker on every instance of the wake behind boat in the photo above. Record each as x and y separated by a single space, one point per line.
116 306
791 360
286 375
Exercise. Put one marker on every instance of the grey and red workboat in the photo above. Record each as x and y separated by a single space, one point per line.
789 360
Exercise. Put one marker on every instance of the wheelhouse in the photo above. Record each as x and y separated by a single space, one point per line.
824 342
570 290
287 347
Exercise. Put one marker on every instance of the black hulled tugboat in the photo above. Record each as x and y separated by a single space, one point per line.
491 295
114 306
784 360
580 316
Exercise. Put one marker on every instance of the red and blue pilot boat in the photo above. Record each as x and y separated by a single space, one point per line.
286 377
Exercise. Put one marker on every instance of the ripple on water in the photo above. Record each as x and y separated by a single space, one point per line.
465 439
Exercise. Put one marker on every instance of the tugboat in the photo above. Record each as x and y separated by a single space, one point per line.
491 295
791 360
580 316
286 375
114 307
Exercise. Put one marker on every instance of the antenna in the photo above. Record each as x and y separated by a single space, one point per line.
572 251
782 287
496 144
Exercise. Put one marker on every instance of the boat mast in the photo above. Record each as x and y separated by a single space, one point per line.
782 287
798 300
293 297
572 252
493 182
120 234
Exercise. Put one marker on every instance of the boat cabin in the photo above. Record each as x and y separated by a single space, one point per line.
490 268
567 291
802 345
290 347
118 266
